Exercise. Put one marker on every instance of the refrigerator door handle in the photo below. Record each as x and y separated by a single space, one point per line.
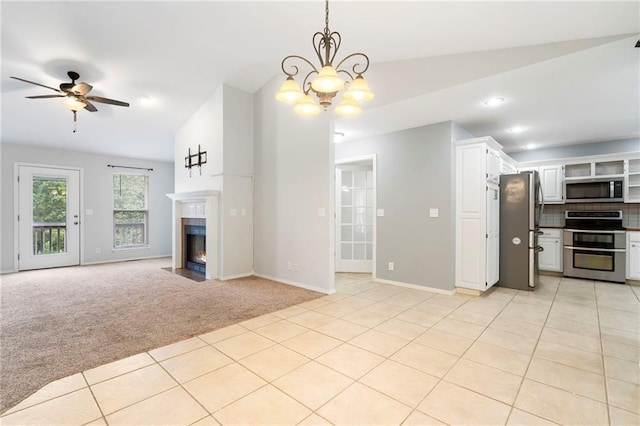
539 249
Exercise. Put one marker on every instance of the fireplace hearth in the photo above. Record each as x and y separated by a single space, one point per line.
194 243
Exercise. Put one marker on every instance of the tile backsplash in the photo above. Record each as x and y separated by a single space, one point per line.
553 214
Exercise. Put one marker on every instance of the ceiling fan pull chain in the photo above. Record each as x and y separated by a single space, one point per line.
75 122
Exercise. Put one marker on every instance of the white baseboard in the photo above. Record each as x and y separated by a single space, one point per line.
417 287
8 271
295 284
126 260
233 277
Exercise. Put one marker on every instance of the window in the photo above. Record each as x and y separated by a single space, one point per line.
130 214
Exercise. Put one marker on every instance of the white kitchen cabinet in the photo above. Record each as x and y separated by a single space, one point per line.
493 166
550 259
507 165
632 181
477 210
633 255
552 182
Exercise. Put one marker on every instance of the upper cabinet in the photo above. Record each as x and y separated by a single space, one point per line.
632 181
551 182
493 165
593 169
554 174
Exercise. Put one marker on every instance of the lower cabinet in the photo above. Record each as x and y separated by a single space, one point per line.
550 259
633 255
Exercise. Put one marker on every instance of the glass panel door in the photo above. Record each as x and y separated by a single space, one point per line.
354 218
49 217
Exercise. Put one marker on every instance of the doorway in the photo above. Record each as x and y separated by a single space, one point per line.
355 220
48 217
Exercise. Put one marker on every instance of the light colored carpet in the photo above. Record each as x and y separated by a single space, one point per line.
62 321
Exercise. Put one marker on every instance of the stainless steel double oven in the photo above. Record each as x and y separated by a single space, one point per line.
594 245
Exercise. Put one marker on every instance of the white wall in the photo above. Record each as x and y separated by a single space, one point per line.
96 193
223 126
205 127
414 174
293 166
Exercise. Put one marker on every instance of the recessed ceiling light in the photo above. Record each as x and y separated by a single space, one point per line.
517 129
495 101
146 101
531 146
338 137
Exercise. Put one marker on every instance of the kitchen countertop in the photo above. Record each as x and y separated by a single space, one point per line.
551 226
633 229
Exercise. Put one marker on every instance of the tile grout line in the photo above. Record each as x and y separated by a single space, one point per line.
524 375
604 371
95 400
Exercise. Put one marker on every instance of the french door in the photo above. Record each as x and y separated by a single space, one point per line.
354 218
49 217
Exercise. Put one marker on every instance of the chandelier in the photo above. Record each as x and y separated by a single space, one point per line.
325 82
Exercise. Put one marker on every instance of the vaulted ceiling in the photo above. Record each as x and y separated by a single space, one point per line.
568 71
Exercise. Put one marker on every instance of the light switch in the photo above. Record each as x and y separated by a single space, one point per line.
88 212
243 212
434 212
233 212
322 212
380 213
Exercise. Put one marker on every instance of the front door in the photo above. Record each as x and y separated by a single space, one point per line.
354 218
49 217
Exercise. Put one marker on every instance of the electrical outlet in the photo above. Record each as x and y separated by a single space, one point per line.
295 267
391 266
289 266
98 250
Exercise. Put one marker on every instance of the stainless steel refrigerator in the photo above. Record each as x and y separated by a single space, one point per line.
521 205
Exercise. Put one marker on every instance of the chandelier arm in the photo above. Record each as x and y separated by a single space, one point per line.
347 73
305 82
357 64
318 44
292 57
337 41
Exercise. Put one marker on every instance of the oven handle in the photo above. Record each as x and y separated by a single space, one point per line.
592 231
595 249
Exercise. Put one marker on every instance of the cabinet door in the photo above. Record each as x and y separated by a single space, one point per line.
633 257
493 166
493 234
551 257
551 180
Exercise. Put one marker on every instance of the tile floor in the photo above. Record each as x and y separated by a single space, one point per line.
567 353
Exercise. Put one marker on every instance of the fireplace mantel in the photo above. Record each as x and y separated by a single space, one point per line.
196 204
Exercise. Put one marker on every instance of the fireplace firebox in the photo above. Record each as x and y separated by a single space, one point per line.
194 243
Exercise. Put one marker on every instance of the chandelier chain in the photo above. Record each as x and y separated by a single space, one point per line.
326 17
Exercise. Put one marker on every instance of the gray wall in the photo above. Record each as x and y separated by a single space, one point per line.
581 150
96 194
414 174
293 166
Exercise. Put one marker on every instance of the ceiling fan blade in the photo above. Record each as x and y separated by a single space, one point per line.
45 96
107 101
37 84
89 106
81 89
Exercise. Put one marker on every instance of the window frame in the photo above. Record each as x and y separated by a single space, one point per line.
145 211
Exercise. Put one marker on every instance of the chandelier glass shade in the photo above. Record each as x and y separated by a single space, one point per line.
327 80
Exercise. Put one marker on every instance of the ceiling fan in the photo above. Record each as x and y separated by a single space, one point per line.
74 95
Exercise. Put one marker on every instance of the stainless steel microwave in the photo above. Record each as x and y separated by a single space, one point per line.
593 190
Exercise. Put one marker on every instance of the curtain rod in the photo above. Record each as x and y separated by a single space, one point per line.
129 167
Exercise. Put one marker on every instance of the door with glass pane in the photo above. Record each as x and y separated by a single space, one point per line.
354 218
49 217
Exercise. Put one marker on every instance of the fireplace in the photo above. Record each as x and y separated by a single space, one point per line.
194 244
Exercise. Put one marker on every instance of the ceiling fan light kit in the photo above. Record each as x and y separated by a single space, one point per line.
326 81
74 96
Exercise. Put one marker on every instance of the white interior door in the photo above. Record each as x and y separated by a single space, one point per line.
49 217
354 218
